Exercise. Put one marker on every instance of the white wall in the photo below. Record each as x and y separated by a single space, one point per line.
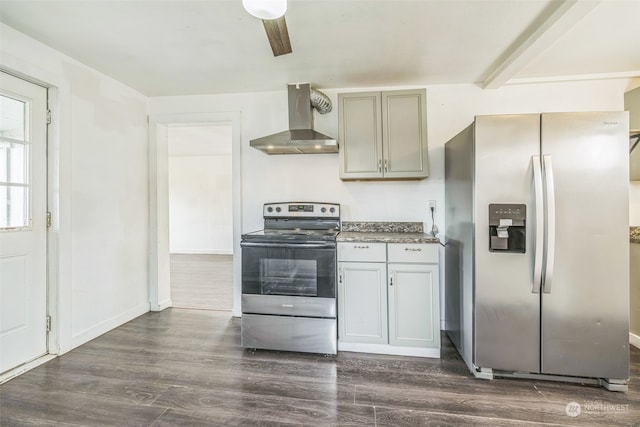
298 177
634 187
200 204
98 161
450 108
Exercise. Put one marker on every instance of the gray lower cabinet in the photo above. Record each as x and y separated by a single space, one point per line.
388 298
632 105
362 302
634 160
413 294
634 294
383 135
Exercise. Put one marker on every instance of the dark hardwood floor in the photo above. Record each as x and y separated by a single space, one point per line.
186 367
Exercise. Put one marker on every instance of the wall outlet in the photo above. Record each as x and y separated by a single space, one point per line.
432 204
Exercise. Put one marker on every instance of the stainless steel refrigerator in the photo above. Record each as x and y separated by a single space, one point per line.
537 259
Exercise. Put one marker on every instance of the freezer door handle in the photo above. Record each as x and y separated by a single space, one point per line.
550 223
539 224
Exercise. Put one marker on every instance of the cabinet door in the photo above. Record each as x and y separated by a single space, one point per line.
360 133
362 302
414 315
634 289
632 105
417 253
362 251
404 125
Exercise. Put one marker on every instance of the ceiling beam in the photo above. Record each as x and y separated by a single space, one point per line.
537 39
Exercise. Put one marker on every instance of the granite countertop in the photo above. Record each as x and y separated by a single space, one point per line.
385 232
634 234
364 236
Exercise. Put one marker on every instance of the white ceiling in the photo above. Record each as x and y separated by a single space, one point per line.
182 47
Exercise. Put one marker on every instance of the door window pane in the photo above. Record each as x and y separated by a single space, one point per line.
13 206
12 118
13 162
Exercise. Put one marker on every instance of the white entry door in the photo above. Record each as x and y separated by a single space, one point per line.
23 224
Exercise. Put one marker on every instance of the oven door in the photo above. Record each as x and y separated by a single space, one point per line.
296 269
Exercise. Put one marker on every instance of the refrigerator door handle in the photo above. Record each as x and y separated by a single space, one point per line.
539 224
551 223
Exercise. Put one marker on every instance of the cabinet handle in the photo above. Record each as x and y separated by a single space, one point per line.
391 281
413 249
340 278
386 164
379 165
361 247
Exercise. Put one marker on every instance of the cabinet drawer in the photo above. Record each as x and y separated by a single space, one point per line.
413 252
362 252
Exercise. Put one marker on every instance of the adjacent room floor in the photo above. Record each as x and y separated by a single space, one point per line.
186 367
203 282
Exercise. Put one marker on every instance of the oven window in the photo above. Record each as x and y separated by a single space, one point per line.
289 270
289 277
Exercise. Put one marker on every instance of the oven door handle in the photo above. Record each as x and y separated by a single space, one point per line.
319 245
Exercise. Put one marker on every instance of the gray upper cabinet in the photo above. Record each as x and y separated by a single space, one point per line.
383 135
360 133
632 104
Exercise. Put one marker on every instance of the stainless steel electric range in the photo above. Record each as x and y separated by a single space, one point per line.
289 279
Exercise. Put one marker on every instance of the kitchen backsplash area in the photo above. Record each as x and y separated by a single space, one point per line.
634 234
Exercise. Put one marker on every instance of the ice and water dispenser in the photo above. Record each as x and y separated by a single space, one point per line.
507 227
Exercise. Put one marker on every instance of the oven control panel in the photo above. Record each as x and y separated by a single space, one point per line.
301 209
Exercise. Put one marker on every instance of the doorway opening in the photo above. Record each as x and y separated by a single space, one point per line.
159 225
200 216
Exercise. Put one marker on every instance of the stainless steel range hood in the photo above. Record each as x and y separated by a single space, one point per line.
300 138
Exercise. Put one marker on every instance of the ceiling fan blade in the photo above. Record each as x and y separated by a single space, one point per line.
278 35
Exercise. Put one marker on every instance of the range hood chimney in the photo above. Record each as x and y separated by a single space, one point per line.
300 138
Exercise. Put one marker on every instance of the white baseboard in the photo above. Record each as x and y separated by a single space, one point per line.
164 304
389 349
95 331
200 252
26 367
634 340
